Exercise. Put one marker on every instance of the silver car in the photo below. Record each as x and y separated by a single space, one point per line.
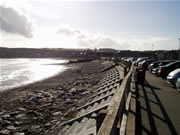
178 84
173 76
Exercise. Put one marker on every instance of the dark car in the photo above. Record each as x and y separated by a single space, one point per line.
146 63
140 60
156 67
165 70
155 70
153 65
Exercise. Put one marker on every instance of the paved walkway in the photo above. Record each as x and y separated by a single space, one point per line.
158 108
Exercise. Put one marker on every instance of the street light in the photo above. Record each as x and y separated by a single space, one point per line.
139 52
179 48
152 51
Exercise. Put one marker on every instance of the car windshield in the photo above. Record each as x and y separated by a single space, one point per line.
155 63
160 64
170 64
177 75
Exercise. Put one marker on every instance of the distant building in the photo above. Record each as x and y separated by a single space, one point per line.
167 55
107 50
161 55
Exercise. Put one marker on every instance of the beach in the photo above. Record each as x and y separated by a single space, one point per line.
40 107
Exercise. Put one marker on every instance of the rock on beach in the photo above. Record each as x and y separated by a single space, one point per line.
38 108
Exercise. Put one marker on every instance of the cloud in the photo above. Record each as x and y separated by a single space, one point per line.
69 31
16 22
88 40
158 39
105 41
145 43
66 31
85 39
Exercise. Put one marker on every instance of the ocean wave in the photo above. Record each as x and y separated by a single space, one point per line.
18 72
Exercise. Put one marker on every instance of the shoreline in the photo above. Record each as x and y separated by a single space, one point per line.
47 103
71 68
41 80
30 82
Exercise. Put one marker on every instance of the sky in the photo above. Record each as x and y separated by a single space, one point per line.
122 25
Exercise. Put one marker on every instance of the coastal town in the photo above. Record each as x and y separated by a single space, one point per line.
78 100
89 67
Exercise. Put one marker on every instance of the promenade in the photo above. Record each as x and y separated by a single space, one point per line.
158 110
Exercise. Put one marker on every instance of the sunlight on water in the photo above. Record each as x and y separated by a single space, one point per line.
18 72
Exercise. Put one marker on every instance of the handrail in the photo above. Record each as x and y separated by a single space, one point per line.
116 108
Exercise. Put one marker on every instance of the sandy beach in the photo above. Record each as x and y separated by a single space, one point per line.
40 107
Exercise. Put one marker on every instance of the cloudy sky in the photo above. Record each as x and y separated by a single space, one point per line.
134 25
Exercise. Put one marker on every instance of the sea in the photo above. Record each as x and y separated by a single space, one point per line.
23 71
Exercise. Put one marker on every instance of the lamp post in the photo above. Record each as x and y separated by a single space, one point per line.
152 51
179 48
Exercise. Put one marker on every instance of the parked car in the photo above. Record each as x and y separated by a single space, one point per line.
155 70
132 59
153 65
146 63
173 76
165 70
161 63
178 84
140 60
123 58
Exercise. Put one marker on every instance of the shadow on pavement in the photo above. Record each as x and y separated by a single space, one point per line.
151 87
151 114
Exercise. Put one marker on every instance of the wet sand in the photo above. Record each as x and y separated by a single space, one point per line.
39 107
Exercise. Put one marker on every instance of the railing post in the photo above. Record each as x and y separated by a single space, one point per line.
100 118
125 71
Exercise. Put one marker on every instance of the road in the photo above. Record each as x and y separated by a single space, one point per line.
158 111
